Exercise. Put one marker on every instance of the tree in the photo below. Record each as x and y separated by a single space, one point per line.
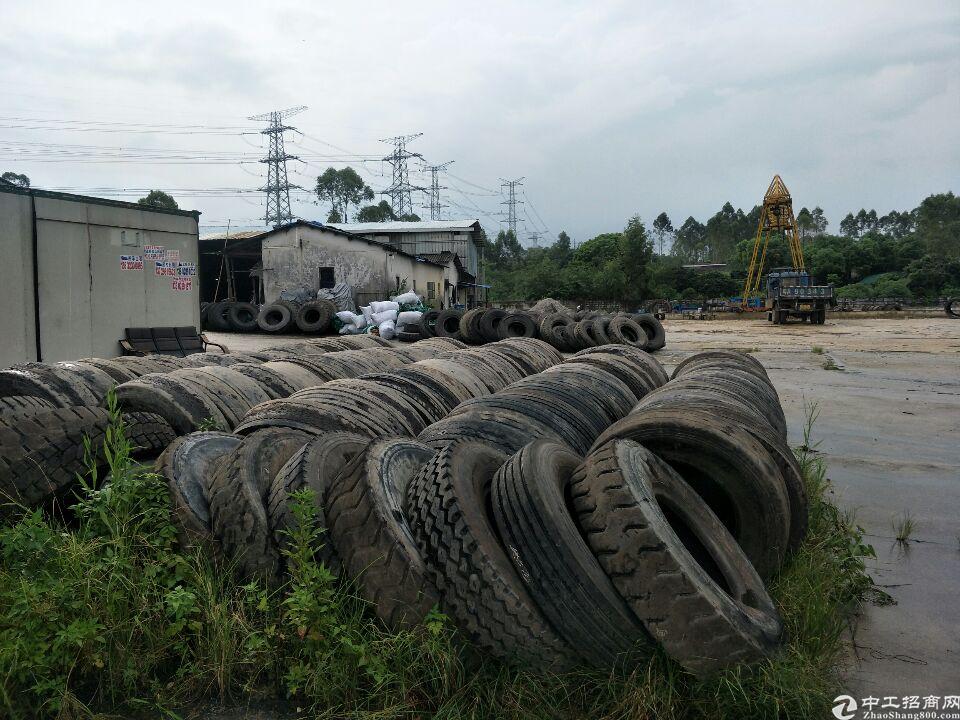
690 242
334 217
342 188
849 227
819 221
561 250
15 179
160 199
636 251
381 212
410 217
938 223
662 227
805 223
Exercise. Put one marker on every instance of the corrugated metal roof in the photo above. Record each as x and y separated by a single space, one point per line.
374 228
241 235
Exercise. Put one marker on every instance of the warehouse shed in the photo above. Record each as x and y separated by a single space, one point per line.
78 270
463 239
258 265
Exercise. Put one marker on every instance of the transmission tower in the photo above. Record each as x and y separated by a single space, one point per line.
277 187
534 237
435 187
511 202
400 188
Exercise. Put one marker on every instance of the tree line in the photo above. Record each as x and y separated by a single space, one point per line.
909 254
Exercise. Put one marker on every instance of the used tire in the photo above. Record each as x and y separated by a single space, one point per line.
489 324
187 464
448 324
626 332
582 336
654 330
243 317
42 456
315 466
556 565
470 326
238 492
950 307
517 324
370 532
275 318
672 560
218 316
731 470
598 330
17 406
315 316
428 323
478 586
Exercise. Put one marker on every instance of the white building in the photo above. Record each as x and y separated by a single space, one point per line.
440 240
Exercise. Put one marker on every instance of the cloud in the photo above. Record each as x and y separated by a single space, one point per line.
606 108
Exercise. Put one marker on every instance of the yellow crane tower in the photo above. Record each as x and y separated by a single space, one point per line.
776 216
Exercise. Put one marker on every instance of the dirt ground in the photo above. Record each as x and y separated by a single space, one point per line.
887 390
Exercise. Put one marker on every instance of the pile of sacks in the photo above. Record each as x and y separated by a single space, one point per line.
383 317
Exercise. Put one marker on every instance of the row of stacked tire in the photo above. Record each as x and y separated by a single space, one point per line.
565 331
561 512
48 409
314 317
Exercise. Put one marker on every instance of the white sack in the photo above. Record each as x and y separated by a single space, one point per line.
384 305
388 329
409 317
379 317
408 298
367 312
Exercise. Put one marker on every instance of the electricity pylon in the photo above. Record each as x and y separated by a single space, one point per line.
400 188
435 187
277 187
511 202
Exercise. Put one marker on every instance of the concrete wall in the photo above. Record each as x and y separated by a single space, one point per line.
86 297
17 318
292 257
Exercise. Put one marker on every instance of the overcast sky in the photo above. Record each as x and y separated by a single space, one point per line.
604 108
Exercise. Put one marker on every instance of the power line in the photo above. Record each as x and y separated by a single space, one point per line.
533 207
400 187
511 202
277 187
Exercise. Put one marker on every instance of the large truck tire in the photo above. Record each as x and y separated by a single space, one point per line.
669 556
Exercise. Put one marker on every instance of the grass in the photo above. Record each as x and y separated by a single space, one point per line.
830 364
817 350
903 526
106 614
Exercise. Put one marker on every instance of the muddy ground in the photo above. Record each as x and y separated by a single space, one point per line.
887 390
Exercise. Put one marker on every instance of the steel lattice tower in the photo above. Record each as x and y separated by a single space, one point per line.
277 187
511 202
435 187
400 188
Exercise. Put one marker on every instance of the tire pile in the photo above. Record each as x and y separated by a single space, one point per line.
314 317
47 409
562 513
548 320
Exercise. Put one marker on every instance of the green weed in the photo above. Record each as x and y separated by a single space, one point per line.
817 350
109 615
904 526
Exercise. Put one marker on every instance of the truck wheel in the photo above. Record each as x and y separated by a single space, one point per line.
821 317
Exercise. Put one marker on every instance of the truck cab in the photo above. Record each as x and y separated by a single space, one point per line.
791 293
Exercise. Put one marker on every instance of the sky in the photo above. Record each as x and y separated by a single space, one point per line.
605 109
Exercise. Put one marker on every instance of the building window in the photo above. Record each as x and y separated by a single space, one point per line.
327 279
431 291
